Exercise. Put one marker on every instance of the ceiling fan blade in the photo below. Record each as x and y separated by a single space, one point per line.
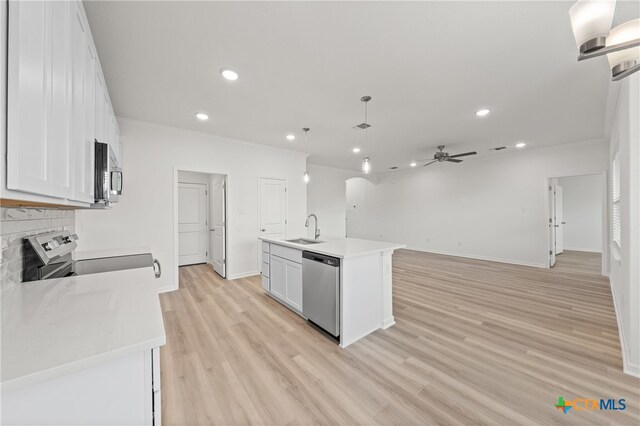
462 155
453 160
430 163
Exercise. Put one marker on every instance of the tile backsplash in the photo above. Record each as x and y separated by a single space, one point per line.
17 223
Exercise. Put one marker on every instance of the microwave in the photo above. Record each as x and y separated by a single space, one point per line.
108 176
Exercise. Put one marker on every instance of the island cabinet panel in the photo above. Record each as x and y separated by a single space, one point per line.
278 277
288 253
294 285
285 278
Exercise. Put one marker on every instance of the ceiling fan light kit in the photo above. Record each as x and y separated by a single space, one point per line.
441 156
591 23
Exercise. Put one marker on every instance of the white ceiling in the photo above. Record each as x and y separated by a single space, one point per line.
428 66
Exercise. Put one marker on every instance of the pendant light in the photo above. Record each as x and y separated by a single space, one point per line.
366 161
306 176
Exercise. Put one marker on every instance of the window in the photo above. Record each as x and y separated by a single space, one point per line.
615 199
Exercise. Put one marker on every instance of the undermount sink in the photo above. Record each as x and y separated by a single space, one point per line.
304 241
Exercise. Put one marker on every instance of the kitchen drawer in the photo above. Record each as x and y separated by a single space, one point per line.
265 269
265 283
288 253
265 247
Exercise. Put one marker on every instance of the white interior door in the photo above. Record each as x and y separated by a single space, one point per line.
192 223
552 230
559 221
273 208
217 231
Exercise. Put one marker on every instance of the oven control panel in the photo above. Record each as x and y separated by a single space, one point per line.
53 244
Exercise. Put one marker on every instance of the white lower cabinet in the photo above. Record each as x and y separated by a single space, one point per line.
286 281
278 268
125 391
282 274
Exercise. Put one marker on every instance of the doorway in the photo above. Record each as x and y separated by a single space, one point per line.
577 223
201 219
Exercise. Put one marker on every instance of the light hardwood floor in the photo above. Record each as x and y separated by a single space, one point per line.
475 342
579 262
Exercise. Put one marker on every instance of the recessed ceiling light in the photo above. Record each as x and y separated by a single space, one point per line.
520 145
413 164
356 150
482 112
202 116
229 74
290 137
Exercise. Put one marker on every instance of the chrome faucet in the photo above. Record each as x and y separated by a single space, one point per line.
306 224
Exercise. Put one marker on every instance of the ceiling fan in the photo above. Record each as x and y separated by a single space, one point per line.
440 156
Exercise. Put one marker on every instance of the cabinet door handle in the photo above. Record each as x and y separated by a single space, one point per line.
263 230
158 273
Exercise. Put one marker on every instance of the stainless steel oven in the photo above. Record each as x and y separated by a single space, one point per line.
48 256
108 181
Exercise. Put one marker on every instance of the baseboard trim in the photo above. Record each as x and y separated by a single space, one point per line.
167 289
583 250
388 322
242 275
476 257
632 370
627 367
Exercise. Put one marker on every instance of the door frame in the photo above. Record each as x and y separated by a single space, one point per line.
259 213
548 181
228 220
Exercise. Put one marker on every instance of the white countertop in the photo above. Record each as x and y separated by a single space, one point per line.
92 254
343 248
56 327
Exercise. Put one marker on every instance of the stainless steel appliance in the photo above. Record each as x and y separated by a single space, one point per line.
48 256
108 178
321 291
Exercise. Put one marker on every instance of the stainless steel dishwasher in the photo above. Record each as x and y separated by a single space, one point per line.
321 291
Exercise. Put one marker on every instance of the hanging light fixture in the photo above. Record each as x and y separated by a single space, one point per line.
306 176
366 161
624 60
591 22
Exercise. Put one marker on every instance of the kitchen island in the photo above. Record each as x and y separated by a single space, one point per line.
365 302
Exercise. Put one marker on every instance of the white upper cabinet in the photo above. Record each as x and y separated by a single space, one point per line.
28 83
58 103
83 65
58 122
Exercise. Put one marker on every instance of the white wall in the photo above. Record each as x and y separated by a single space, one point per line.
582 212
491 208
625 261
145 214
326 197
185 176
